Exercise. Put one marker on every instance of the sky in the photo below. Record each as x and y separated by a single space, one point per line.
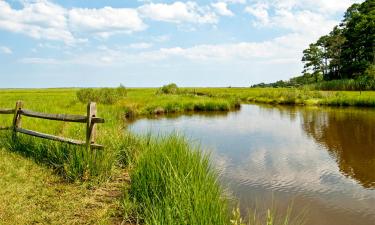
149 43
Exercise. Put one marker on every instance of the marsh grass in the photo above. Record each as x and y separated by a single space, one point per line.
345 85
172 182
290 96
175 183
101 95
75 163
143 105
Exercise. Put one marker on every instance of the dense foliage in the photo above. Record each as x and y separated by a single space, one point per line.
346 53
101 95
169 89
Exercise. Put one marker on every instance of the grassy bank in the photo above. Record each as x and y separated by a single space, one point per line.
290 96
34 194
173 182
182 186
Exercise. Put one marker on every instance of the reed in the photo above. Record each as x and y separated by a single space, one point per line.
173 182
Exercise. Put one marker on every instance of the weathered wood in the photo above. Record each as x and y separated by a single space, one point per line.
90 121
97 146
17 117
90 126
50 137
6 111
60 117
97 120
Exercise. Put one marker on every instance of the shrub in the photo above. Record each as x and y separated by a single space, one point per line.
101 95
169 89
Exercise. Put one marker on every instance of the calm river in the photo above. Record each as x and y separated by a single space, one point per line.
319 159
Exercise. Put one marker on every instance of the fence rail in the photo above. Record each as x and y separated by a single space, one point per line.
90 119
6 111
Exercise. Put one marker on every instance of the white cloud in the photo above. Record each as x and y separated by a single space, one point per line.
308 17
45 20
235 1
105 21
260 12
161 38
39 20
141 45
222 8
5 50
323 6
279 50
178 12
326 6
306 22
37 60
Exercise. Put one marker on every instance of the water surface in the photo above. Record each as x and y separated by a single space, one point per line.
321 159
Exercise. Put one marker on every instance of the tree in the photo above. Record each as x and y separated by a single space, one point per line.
349 49
359 32
313 57
335 42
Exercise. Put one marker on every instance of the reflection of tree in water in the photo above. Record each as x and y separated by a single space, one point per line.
349 135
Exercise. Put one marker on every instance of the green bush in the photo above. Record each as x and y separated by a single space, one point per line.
101 95
169 89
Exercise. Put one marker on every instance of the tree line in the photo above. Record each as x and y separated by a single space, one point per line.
347 52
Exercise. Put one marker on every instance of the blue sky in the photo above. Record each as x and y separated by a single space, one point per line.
146 43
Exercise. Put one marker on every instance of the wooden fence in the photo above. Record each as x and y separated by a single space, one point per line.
90 119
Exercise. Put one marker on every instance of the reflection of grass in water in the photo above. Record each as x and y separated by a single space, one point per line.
269 216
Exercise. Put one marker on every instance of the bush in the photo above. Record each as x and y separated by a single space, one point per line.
101 95
169 89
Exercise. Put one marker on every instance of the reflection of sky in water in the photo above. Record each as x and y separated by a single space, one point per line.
264 150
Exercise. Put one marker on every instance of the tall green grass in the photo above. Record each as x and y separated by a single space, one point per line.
173 183
75 163
101 95
290 96
345 85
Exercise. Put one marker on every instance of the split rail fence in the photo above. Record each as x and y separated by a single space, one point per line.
90 120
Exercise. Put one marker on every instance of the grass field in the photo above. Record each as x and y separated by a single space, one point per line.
291 96
171 180
81 173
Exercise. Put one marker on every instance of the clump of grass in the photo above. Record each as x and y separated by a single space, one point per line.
173 183
75 163
101 95
169 89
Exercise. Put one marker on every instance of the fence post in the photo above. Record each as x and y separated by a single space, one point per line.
90 127
17 117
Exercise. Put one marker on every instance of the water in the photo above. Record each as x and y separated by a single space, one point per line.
321 160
